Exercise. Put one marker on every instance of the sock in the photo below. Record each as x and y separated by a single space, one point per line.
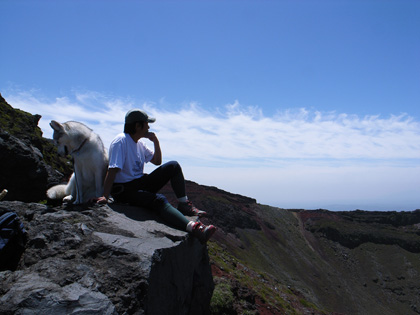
190 226
173 216
183 199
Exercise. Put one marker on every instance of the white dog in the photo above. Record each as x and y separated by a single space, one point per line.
90 162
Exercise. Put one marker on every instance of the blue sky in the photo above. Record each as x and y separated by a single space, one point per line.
311 104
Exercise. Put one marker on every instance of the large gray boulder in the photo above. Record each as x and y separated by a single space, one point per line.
111 259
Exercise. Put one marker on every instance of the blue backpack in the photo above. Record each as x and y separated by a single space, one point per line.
13 237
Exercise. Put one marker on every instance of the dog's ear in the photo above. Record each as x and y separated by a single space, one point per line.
56 126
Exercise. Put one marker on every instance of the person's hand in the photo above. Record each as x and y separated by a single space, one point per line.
101 200
151 136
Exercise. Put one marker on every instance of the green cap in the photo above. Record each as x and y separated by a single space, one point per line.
135 115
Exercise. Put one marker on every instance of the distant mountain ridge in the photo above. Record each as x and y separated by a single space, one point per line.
268 260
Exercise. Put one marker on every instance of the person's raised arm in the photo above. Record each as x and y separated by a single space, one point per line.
157 157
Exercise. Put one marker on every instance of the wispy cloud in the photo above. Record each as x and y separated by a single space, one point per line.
319 155
241 133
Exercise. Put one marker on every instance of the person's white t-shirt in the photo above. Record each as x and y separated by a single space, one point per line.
129 157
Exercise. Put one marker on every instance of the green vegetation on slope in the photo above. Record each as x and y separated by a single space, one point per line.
241 290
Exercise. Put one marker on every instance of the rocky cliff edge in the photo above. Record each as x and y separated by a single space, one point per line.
104 260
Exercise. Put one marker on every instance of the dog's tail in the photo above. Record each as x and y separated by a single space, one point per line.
57 192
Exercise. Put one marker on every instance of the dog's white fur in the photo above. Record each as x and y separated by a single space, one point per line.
90 162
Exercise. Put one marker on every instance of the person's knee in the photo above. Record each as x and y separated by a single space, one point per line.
175 165
159 202
173 168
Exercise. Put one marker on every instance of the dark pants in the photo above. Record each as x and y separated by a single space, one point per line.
142 192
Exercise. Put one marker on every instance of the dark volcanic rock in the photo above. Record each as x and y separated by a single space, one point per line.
29 163
103 260
23 171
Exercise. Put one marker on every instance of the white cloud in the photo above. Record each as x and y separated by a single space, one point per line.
297 156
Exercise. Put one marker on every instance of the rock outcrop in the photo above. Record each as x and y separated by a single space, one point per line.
29 162
104 260
23 171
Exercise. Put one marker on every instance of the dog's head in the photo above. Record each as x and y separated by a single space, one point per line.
61 138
